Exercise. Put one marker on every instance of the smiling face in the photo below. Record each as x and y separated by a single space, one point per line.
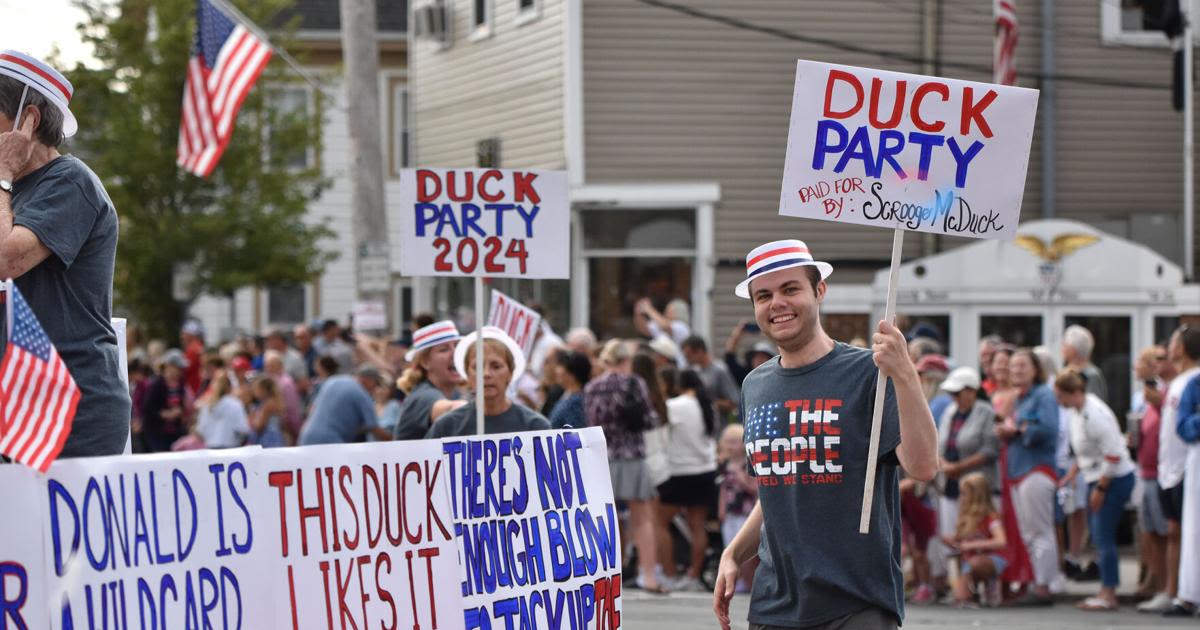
787 306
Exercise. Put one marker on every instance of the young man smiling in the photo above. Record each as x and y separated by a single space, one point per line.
807 417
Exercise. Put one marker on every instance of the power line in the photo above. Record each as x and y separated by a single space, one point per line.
890 54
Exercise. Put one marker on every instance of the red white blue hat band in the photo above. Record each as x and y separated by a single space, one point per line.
46 80
776 256
432 335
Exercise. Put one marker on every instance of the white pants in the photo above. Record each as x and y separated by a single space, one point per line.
1189 553
939 555
1033 501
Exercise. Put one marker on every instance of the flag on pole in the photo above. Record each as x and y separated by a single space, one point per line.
38 397
1004 47
227 58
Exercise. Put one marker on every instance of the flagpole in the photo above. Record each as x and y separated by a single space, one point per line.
8 308
1189 153
283 54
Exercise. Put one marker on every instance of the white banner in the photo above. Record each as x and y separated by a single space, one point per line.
484 222
517 320
538 530
899 150
462 533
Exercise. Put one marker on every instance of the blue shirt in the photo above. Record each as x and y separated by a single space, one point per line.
1037 417
568 412
1188 424
341 413
938 406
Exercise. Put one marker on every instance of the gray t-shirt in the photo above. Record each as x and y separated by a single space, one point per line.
461 422
807 432
717 380
416 410
70 292
341 413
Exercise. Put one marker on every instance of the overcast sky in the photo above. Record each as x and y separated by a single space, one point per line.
24 26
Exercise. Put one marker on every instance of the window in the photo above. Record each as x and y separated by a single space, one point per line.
1126 23
1113 354
401 140
287 137
1018 330
481 19
528 11
285 304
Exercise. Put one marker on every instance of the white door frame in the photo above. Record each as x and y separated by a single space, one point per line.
703 197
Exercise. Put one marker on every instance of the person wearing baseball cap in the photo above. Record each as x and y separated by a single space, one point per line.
807 430
429 378
58 241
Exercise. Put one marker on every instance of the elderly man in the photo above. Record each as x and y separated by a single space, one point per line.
58 239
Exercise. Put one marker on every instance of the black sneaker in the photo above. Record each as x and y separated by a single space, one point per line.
1090 573
1071 569
1180 610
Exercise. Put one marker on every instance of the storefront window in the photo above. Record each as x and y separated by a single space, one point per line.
1018 330
616 284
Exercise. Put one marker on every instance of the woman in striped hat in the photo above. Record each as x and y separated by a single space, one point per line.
430 377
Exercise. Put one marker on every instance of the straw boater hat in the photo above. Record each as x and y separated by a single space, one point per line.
775 256
46 80
490 332
432 335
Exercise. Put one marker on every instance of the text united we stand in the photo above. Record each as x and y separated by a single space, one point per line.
806 453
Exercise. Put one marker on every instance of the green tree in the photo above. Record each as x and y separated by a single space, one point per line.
242 226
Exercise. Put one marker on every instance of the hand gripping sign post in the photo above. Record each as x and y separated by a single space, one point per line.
477 222
906 152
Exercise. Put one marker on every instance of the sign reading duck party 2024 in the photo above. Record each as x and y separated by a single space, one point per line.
901 150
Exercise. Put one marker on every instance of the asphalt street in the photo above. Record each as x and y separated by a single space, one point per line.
680 611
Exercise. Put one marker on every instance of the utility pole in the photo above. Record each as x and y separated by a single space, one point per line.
360 51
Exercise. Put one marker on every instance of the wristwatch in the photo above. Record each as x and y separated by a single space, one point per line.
6 186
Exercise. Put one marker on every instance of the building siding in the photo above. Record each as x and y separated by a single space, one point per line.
507 86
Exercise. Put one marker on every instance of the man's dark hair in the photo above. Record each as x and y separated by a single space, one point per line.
814 277
1189 338
50 130
579 365
329 324
421 320
695 342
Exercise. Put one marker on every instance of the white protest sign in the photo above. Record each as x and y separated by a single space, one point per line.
23 588
899 150
156 539
537 530
363 537
517 320
484 223
370 316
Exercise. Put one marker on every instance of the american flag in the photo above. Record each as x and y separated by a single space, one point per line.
1004 48
37 394
226 60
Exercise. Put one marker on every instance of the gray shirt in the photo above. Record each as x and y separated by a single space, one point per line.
415 412
718 381
341 413
70 292
807 432
461 422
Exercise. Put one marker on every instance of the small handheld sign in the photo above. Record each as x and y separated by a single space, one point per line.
517 320
484 222
906 152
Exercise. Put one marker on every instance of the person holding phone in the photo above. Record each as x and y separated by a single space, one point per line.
758 353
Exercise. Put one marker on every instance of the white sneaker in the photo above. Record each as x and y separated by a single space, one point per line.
687 584
1058 585
1157 604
